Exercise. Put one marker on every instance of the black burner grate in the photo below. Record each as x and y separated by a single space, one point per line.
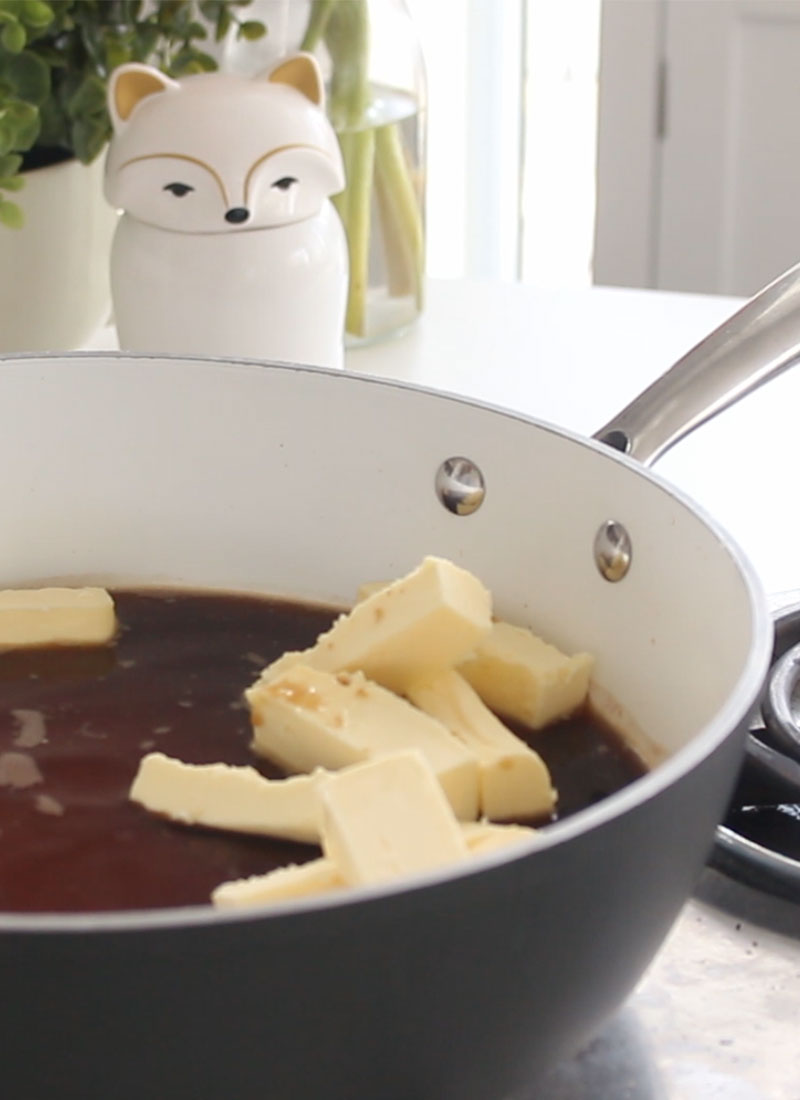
758 842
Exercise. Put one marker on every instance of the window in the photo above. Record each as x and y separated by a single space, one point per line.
512 101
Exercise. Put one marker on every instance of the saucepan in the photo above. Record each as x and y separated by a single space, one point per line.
468 983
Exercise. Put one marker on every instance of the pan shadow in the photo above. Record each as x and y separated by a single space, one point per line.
617 1063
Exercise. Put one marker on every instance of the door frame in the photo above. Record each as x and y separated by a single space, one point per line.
629 128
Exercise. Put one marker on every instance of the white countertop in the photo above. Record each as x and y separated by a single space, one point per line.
715 1016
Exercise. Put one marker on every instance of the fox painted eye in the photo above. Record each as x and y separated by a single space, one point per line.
178 189
284 183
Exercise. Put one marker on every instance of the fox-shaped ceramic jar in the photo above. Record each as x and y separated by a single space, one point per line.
228 244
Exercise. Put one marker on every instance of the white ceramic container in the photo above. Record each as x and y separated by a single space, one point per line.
54 272
228 244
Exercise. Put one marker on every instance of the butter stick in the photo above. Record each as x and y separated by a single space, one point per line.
306 718
318 876
428 620
522 677
223 796
388 818
35 617
513 779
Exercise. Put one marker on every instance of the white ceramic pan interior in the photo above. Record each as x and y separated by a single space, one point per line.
306 483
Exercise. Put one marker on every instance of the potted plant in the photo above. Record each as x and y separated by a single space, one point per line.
55 60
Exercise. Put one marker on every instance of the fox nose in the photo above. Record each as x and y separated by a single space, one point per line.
237 214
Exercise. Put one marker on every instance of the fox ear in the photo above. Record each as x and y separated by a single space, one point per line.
301 72
129 84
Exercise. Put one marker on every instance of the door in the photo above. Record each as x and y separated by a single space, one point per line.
699 174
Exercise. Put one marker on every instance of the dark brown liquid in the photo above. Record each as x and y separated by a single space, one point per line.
70 840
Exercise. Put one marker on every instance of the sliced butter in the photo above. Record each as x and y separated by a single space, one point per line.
514 780
369 588
221 796
32 617
388 818
428 620
306 718
488 836
318 876
525 678
321 876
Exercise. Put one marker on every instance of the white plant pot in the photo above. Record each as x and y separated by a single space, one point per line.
54 272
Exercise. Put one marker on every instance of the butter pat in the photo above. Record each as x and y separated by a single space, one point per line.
319 876
514 780
524 678
238 799
388 818
428 620
308 718
32 617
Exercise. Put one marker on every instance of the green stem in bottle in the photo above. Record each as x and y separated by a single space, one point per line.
359 147
317 23
373 158
401 217
347 39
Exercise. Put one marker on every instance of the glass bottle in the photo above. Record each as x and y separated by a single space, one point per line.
372 63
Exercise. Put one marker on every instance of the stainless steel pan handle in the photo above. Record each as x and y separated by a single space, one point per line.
754 345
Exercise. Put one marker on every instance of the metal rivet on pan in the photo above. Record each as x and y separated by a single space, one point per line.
460 486
613 550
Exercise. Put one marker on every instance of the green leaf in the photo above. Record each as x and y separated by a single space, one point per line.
88 99
55 127
13 37
89 136
117 53
137 44
37 14
11 183
19 126
10 164
188 61
29 77
224 22
11 215
251 30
